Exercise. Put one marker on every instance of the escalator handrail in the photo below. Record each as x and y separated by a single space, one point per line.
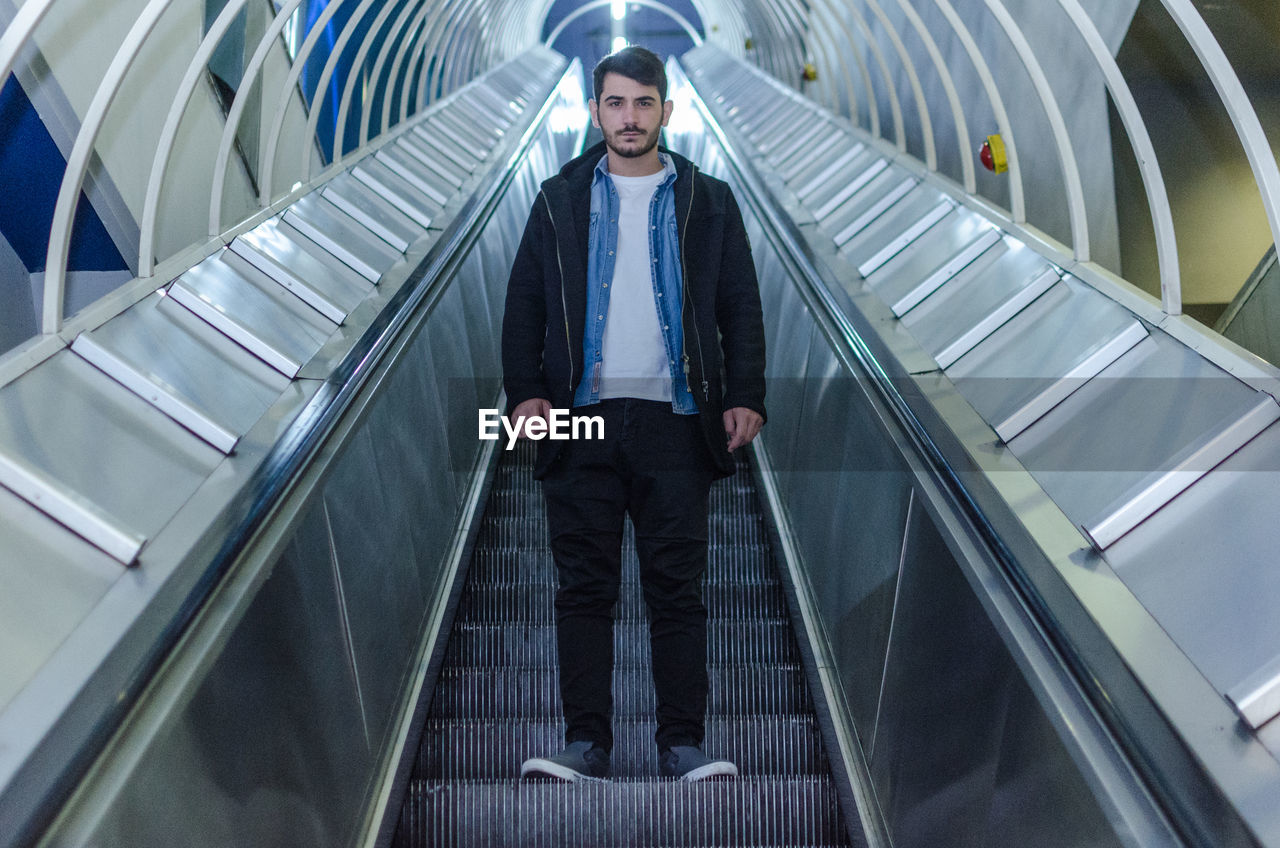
1190 799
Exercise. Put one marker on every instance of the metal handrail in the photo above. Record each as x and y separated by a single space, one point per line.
240 102
1243 117
376 79
1126 709
55 280
680 19
831 47
1066 153
917 90
169 132
873 112
1017 200
953 97
1144 151
895 103
356 75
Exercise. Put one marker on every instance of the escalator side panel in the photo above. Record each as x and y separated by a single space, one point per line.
960 736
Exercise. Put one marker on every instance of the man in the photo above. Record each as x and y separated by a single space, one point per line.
632 291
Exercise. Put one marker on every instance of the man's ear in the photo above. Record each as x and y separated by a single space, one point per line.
666 112
594 109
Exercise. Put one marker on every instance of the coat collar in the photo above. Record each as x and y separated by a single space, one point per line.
569 196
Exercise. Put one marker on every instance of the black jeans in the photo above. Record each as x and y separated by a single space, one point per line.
653 464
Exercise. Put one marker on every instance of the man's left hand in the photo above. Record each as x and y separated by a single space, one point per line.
741 426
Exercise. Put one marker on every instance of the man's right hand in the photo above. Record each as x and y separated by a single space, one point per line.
531 408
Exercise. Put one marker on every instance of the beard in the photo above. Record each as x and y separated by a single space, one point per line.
634 148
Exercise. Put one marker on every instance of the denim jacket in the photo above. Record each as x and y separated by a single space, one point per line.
665 275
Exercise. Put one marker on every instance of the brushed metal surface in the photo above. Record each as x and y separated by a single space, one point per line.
1134 422
461 397
1257 697
466 134
270 748
460 161
1023 367
1203 566
794 141
343 236
412 456
979 299
396 191
848 503
432 157
193 360
254 311
439 123
1244 421
909 237
931 260
300 265
960 739
827 147
365 205
410 168
858 213
887 233
71 509
862 171
379 593
41 605
98 440
824 172
146 386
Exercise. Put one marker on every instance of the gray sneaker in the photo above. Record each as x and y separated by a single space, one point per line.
689 764
578 761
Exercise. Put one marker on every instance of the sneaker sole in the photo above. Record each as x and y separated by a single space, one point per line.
709 771
547 768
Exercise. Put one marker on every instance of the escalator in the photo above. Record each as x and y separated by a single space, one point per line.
496 701
906 646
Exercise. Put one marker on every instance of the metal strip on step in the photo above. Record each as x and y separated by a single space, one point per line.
1020 300
1063 387
871 172
913 232
154 393
940 277
1136 506
79 515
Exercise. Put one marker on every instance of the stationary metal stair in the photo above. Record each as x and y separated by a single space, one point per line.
496 702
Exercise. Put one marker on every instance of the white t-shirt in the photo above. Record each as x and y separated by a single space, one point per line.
634 355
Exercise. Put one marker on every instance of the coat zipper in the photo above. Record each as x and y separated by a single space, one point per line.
684 280
564 307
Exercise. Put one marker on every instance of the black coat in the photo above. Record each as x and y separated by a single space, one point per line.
545 318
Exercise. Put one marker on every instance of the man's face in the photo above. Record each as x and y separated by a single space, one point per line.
630 115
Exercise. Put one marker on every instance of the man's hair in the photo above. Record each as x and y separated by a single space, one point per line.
635 63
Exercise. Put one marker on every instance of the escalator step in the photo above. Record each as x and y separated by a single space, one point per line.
534 604
728 643
471 750
512 693
529 531
725 562
656 814
496 702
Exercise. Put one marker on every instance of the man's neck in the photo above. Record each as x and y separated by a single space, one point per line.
640 166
